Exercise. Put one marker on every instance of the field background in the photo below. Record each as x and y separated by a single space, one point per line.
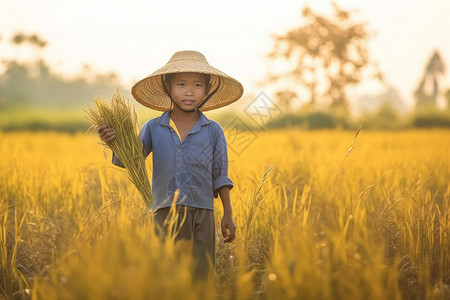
320 215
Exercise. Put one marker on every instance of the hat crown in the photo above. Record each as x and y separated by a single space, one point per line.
188 55
150 91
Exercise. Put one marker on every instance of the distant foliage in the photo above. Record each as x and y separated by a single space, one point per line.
432 118
427 92
32 39
32 83
385 118
313 120
35 85
326 55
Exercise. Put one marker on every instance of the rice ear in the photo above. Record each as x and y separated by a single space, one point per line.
121 116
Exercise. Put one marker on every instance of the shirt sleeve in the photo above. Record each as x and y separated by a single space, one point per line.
220 165
116 161
146 138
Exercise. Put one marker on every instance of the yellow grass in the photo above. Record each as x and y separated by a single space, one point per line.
313 223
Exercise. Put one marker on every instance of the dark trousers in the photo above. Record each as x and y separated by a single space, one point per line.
199 227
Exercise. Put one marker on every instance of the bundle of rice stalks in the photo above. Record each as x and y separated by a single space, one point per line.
121 116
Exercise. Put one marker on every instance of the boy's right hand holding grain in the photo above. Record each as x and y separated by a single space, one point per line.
107 134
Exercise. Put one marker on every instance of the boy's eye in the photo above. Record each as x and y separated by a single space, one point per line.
198 85
180 84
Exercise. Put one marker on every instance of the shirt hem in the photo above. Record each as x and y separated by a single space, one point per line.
189 205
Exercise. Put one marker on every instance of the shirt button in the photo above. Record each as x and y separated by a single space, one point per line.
178 174
179 150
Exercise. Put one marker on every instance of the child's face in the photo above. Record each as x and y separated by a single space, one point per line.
188 90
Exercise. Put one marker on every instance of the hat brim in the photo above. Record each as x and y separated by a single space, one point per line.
150 92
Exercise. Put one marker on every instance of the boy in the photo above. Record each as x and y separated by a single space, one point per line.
189 150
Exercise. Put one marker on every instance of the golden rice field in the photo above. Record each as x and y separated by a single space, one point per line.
315 220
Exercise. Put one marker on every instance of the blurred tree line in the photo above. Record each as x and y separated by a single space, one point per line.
32 84
427 92
325 57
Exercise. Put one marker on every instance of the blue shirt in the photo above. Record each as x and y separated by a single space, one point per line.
196 166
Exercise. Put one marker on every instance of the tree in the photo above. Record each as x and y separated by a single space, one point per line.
285 98
33 39
427 92
328 54
34 85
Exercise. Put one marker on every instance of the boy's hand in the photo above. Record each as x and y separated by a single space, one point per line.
228 229
107 134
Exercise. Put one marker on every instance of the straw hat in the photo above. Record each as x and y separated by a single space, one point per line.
223 89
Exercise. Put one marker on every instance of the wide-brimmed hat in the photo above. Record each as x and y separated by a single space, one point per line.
223 89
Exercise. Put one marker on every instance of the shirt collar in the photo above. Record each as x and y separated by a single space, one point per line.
164 120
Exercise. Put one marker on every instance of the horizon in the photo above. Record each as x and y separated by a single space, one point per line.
109 38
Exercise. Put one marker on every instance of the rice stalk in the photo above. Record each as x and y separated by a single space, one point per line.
121 117
352 145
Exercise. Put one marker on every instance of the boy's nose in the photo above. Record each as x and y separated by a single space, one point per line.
190 90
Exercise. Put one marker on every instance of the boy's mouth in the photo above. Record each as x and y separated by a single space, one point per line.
188 102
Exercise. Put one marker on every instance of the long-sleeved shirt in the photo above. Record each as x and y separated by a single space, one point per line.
197 166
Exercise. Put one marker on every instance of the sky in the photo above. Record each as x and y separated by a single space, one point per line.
133 38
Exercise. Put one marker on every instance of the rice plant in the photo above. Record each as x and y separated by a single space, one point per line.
307 227
127 146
